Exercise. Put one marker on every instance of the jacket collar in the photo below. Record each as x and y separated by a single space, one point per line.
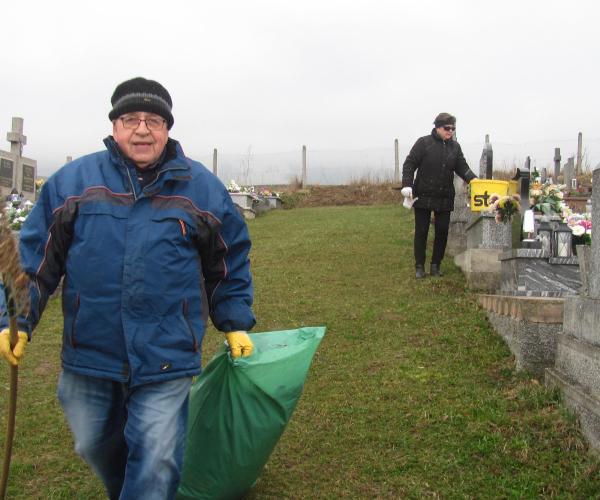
173 164
435 135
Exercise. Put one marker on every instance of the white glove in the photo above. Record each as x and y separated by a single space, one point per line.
406 192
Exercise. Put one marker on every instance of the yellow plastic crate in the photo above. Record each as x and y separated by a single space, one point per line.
483 189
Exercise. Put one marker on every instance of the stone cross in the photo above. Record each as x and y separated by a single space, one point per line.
556 164
16 171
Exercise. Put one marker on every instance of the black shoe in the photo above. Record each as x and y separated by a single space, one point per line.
419 272
435 270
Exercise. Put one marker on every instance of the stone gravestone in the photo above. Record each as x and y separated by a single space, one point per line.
462 216
459 218
16 171
487 160
568 172
576 370
594 282
556 164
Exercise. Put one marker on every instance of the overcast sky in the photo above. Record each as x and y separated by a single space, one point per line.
343 77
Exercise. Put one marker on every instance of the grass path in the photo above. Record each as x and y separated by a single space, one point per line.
411 394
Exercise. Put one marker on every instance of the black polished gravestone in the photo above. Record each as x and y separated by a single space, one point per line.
523 177
6 173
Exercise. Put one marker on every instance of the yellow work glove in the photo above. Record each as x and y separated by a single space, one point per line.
239 343
13 356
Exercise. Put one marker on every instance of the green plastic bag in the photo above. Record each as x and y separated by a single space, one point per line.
239 409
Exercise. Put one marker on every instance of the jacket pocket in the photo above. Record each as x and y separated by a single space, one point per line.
73 338
189 325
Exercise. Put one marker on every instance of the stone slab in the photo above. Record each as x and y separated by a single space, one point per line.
582 319
580 361
594 276
242 200
586 407
485 232
532 344
273 202
531 309
481 268
527 270
457 238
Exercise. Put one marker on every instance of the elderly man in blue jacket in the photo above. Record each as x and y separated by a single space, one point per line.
149 245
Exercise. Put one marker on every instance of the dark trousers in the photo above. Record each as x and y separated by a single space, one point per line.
422 221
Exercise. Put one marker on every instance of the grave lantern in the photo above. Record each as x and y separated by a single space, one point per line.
561 241
545 236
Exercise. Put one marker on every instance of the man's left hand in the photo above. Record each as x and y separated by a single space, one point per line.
239 343
12 355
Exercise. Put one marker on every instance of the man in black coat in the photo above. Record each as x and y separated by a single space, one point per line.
435 158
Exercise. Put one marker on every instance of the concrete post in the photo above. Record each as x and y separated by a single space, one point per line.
303 167
396 162
215 161
579 154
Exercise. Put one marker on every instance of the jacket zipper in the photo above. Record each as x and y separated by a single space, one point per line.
75 314
189 325
131 183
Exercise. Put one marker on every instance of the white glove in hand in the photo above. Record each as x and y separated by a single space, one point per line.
406 192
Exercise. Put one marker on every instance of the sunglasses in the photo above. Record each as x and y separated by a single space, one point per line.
449 128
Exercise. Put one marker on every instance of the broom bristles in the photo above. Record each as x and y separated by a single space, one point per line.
15 281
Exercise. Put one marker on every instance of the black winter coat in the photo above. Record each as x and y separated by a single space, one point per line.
435 161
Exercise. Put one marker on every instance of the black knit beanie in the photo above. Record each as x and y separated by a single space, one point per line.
444 119
139 94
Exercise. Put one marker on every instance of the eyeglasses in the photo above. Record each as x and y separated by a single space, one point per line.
447 128
133 122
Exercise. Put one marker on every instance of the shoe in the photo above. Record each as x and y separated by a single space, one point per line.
435 270
419 272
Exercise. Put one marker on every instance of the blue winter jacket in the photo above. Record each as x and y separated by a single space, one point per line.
143 268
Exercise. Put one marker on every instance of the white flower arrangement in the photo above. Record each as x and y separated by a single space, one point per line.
17 213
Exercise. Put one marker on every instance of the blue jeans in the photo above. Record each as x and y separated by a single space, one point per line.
133 438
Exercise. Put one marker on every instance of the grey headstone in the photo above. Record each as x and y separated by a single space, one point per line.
594 277
568 172
556 163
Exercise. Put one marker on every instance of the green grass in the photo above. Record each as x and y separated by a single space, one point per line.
411 394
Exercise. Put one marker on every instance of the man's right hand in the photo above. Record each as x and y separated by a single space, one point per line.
406 192
13 356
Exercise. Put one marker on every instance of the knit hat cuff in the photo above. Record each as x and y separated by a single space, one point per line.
444 119
142 101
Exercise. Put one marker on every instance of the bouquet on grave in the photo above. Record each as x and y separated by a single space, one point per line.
546 198
581 227
266 193
505 206
17 212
